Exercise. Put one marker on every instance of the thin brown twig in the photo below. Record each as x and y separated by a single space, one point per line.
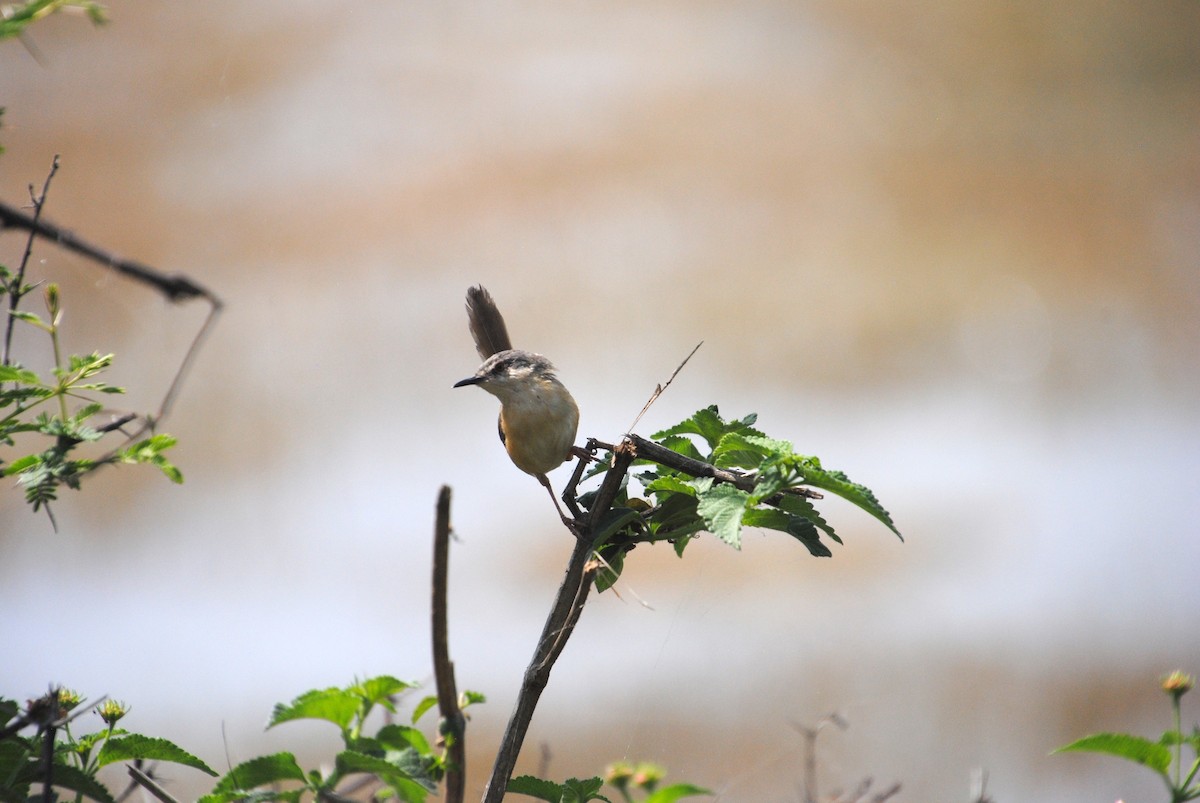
443 667
175 287
658 389
149 785
15 294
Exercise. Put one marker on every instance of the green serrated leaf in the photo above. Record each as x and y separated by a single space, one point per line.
802 507
682 445
669 484
538 788
675 792
744 450
398 737
135 746
407 788
722 508
706 423
799 528
67 776
332 705
838 483
471 698
676 515
260 771
577 790
1123 745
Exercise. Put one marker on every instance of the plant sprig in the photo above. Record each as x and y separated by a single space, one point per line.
23 391
1156 755
715 475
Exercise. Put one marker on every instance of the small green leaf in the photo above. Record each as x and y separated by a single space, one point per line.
610 571
332 705
1134 748
135 746
29 317
168 468
423 706
378 690
13 373
22 463
469 697
613 521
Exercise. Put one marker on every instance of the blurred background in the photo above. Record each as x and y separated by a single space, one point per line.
953 249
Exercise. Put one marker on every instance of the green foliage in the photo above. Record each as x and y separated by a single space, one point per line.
400 756
16 17
75 759
1155 755
771 490
628 779
23 391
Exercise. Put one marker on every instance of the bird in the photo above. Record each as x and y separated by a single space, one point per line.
538 416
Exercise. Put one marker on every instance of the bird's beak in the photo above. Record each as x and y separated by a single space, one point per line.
470 380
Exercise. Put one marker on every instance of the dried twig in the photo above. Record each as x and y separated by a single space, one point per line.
149 785
443 667
658 389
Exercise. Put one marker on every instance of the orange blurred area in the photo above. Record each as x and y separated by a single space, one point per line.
951 249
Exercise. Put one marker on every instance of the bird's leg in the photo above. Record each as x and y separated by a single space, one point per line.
568 494
571 524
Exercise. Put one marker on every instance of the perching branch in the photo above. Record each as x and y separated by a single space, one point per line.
443 667
568 605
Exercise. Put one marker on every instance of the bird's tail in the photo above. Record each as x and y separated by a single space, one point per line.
487 324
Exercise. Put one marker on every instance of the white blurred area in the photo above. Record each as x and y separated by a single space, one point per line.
952 249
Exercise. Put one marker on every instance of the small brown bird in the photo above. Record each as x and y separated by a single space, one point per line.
538 417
